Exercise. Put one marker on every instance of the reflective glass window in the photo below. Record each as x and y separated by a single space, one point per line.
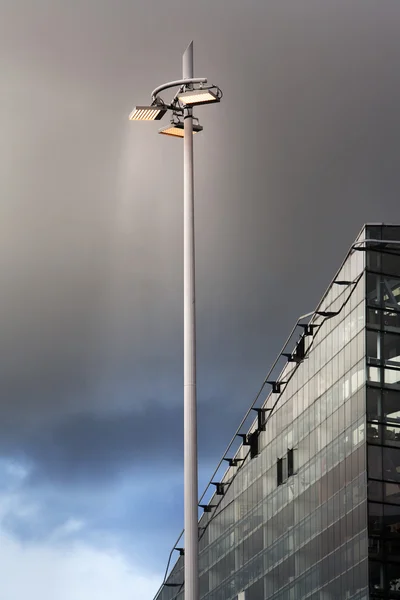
375 576
375 518
391 520
375 490
375 462
373 403
391 435
391 406
391 349
391 492
373 346
391 464
393 577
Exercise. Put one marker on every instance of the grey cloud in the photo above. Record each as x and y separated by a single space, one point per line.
301 152
88 449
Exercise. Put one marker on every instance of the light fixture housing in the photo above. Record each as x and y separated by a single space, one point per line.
177 129
148 113
196 97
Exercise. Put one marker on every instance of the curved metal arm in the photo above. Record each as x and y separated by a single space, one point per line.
171 84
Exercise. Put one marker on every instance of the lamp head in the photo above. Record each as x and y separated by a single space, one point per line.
154 112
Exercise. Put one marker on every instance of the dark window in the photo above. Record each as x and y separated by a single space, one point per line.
375 576
373 433
391 349
391 406
391 435
390 263
375 518
375 491
375 462
291 462
373 289
392 493
391 464
282 469
373 403
373 346
393 577
391 519
279 471
391 319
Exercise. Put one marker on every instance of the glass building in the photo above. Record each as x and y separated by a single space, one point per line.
306 500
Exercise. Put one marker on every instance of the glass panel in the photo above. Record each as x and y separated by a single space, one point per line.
391 406
375 462
375 576
375 518
392 492
373 434
391 435
374 317
391 319
373 346
375 490
390 263
373 288
373 374
391 377
373 403
391 519
391 464
393 577
391 349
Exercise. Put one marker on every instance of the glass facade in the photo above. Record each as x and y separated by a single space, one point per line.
383 411
310 505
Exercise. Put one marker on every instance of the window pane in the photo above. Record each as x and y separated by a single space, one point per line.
391 349
390 263
391 319
373 374
373 349
391 519
392 550
375 462
391 464
391 435
391 406
373 286
392 492
373 434
391 377
375 576
373 403
375 491
375 518
393 577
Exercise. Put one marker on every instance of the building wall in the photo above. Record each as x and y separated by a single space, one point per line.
307 536
292 541
383 414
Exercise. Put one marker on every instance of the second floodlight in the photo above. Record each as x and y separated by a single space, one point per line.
178 129
196 97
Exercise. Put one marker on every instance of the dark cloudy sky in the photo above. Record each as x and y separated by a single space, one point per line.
301 152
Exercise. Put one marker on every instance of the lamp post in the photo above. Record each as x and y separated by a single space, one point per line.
192 92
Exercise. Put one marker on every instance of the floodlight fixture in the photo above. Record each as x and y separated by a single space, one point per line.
196 97
154 112
177 129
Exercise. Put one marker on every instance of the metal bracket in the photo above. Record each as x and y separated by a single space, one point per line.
176 83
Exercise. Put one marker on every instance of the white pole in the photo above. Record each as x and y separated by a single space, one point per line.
190 408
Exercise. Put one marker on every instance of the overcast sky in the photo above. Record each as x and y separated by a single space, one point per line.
303 149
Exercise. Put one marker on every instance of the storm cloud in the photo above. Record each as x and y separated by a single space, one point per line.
302 150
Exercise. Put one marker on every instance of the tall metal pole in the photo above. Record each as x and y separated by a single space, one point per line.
190 401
